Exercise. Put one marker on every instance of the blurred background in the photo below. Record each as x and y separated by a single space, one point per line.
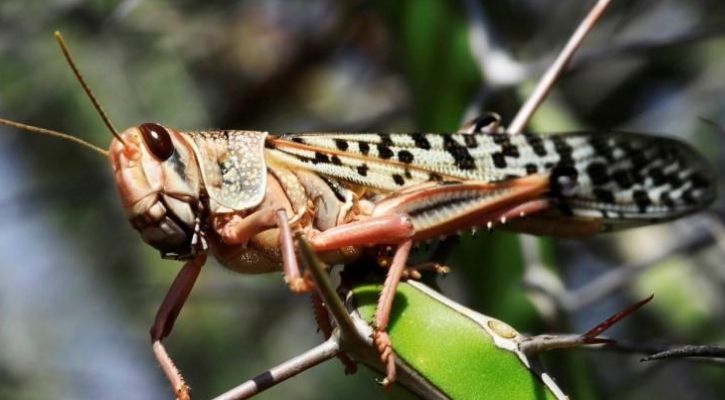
79 290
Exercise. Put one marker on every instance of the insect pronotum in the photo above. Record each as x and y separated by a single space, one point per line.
239 195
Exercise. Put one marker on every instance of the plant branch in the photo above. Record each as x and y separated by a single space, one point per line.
284 371
700 351
551 75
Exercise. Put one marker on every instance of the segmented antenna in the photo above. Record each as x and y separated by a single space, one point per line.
86 88
49 132
35 129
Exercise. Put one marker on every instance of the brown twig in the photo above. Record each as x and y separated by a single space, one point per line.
547 81
284 371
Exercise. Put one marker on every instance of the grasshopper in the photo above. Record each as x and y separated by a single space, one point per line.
239 195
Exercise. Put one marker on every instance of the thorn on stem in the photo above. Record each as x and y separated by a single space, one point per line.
609 322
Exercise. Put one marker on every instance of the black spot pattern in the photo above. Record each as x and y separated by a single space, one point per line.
461 157
385 140
320 158
501 139
666 199
563 179
642 200
336 160
384 151
674 180
689 198
699 181
602 147
603 195
638 158
398 179
363 170
510 151
498 160
531 169
623 178
658 177
637 176
598 173
420 141
341 144
536 143
364 148
405 156
563 149
470 141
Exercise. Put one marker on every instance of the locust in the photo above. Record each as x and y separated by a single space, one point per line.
240 195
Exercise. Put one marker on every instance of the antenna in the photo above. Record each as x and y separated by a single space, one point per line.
86 88
35 129
49 132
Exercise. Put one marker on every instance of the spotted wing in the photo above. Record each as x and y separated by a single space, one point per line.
630 179
393 161
624 178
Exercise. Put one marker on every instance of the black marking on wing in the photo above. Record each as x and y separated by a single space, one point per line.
405 156
420 141
461 156
621 176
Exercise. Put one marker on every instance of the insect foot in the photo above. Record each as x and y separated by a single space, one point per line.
300 285
183 393
414 271
384 346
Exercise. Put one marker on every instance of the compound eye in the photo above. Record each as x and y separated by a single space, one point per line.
158 140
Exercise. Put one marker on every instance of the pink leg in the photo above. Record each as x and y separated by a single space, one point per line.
239 230
322 317
291 268
384 229
164 322
381 339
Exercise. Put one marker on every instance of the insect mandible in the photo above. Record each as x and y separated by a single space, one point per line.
239 195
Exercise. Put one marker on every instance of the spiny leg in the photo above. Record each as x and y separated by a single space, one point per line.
391 228
165 318
381 339
322 317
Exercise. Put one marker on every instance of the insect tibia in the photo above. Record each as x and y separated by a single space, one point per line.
49 132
